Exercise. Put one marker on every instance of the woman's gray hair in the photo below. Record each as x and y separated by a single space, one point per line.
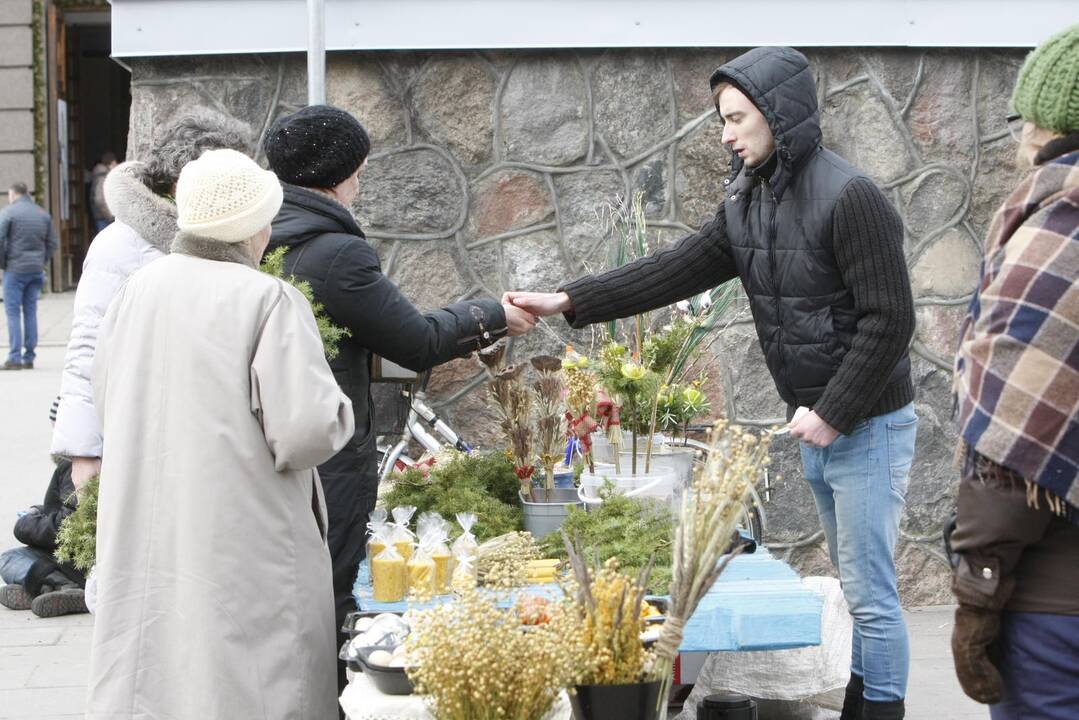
186 138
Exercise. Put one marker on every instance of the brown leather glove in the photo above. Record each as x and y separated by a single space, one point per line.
973 650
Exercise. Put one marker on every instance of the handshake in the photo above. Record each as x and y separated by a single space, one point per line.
524 309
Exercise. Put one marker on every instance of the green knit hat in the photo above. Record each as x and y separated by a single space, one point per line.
1047 92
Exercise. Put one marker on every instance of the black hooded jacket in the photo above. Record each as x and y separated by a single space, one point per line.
328 250
817 246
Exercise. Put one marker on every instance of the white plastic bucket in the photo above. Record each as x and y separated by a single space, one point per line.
661 483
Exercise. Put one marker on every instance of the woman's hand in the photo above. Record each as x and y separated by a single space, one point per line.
518 321
82 469
538 304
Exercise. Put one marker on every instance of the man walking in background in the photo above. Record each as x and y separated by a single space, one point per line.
27 240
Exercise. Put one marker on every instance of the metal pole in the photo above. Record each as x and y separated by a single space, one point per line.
316 52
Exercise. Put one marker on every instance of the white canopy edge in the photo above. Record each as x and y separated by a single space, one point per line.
214 27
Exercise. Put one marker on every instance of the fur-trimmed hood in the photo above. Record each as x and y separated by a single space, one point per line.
134 204
188 244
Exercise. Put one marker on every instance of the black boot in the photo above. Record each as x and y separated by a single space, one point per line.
891 710
852 700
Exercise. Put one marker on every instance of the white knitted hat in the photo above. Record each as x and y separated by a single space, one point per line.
224 195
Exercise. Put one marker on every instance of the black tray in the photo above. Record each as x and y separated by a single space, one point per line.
349 626
391 681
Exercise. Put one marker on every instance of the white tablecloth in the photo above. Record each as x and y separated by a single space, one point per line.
363 701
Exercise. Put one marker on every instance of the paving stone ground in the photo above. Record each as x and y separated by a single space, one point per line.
43 662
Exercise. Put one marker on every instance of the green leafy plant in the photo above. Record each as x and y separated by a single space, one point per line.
484 484
76 541
626 528
273 263
679 405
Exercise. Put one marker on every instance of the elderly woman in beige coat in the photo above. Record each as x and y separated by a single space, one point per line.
215 595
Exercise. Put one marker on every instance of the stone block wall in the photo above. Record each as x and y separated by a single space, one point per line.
491 171
16 96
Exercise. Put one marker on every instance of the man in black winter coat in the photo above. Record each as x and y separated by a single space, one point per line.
819 251
318 154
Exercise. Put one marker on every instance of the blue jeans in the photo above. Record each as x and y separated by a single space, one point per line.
21 291
1039 662
859 484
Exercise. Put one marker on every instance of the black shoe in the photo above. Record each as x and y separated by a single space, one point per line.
8 365
28 365
853 699
59 602
892 710
14 597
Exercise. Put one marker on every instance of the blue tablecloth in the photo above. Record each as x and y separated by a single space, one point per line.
759 603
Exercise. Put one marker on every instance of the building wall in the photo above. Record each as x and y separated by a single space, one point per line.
490 170
16 96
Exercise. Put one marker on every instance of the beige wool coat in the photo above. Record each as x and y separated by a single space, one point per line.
214 590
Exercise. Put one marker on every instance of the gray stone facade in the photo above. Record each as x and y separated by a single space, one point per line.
16 96
488 170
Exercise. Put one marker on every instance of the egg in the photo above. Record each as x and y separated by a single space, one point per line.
398 662
364 624
380 657
399 651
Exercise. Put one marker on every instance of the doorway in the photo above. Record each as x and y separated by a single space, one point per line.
89 103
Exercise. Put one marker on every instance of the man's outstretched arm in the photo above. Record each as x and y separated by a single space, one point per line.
696 263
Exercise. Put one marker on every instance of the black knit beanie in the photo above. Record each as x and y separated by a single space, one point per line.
317 147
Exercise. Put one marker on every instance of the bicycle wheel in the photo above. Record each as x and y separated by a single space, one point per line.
752 521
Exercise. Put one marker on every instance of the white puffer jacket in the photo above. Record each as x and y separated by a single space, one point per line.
145 226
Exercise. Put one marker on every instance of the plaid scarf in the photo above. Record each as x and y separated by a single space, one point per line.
1017 368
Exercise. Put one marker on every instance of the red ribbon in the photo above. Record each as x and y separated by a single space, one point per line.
582 429
608 413
524 472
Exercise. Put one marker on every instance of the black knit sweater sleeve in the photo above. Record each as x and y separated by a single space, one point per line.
867 239
696 263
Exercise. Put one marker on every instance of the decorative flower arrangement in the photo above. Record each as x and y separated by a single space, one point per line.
702 540
679 405
472 660
608 604
580 401
513 402
629 383
550 437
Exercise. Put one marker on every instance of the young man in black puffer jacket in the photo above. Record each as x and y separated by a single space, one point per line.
318 153
819 251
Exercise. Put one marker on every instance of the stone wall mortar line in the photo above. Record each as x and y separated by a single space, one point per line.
567 257
590 102
843 87
496 122
897 119
509 235
549 169
919 73
153 82
975 78
271 109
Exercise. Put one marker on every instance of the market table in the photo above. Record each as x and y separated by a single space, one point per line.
759 603
362 701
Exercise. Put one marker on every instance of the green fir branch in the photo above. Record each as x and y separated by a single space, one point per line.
274 264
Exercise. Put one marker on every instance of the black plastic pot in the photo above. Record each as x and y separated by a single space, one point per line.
727 706
391 681
636 701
